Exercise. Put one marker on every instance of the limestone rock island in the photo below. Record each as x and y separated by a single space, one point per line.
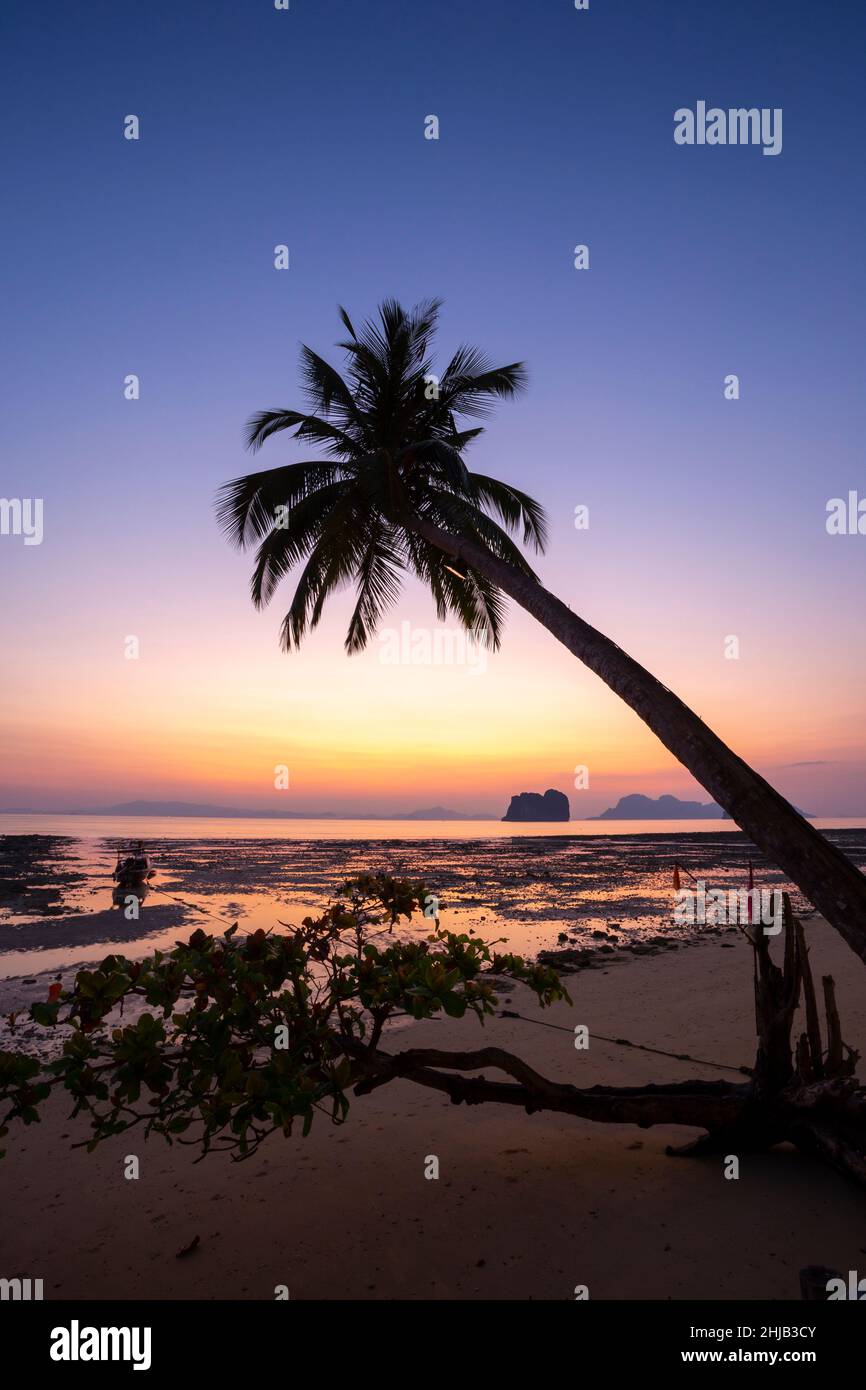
552 805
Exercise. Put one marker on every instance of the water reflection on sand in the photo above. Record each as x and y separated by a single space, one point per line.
602 891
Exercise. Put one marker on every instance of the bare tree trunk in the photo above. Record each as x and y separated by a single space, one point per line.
823 873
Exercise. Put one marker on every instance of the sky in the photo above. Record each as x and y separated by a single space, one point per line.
306 127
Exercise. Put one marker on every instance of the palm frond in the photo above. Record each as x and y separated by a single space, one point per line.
515 508
490 609
287 544
395 457
468 597
462 518
267 422
442 460
328 568
471 380
346 321
246 506
461 439
325 388
379 579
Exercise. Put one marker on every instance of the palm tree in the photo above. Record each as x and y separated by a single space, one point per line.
393 495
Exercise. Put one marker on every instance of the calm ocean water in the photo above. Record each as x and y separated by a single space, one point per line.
228 828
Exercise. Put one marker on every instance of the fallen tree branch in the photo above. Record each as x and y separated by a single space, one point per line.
701 1104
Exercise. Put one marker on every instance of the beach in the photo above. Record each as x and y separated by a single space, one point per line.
524 1207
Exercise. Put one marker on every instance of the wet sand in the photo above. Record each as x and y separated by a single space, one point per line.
616 889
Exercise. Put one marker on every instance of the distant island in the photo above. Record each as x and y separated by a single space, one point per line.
525 806
637 807
205 809
533 806
194 808
433 813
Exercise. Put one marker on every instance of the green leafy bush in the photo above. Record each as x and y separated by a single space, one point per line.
243 1036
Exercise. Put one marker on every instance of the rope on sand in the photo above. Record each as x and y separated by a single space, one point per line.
624 1042
194 906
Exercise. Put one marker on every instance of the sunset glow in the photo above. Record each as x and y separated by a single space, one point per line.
707 517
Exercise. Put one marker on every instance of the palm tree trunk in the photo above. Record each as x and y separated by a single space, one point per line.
832 883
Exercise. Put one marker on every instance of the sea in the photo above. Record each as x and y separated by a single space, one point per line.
585 884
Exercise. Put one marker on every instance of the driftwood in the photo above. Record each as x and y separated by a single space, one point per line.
798 1092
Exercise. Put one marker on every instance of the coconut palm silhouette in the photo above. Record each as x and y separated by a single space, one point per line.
393 496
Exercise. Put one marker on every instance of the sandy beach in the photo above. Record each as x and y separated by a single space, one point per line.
525 1207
